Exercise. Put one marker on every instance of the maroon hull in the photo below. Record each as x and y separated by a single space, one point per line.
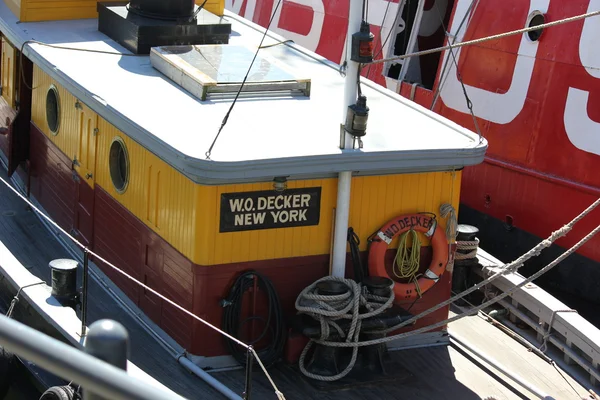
52 180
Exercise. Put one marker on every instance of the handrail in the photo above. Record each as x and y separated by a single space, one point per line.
69 363
576 337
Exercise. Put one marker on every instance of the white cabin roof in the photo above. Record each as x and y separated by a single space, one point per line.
264 137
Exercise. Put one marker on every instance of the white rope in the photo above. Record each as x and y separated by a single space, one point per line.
194 316
473 310
489 38
448 211
465 245
548 332
327 309
506 268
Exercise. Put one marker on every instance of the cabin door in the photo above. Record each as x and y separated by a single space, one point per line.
151 276
14 124
85 166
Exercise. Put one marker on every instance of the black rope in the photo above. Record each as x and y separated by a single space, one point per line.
359 271
232 319
226 117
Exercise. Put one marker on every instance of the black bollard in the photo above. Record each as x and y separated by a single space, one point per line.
64 281
109 341
460 275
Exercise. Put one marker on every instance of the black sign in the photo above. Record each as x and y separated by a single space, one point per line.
268 209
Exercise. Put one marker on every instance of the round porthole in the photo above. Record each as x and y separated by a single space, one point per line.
53 109
118 161
535 19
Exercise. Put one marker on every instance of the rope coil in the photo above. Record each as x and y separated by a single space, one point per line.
329 309
407 261
447 211
467 245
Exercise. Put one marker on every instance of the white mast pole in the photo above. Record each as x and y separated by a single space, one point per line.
342 210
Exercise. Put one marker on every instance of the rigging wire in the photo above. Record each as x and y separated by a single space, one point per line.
459 75
54 46
457 45
226 117
502 270
379 36
489 38
519 338
146 287
443 76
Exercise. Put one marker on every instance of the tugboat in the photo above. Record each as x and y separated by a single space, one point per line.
199 160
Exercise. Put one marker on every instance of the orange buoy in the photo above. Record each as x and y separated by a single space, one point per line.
421 223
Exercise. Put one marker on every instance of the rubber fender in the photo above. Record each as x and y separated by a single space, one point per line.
59 393
6 370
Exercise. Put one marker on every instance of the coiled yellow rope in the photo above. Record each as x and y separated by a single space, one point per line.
407 261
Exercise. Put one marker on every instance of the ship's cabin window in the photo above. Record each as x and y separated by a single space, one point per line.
535 19
53 109
119 165
419 25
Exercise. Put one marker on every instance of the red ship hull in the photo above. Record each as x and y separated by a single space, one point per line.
537 102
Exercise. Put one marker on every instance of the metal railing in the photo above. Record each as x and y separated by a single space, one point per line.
96 377
552 321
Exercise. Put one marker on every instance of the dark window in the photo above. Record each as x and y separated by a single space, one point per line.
538 19
53 109
119 165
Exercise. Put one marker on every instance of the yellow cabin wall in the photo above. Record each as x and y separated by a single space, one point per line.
51 10
214 6
8 72
157 194
186 214
374 201
67 137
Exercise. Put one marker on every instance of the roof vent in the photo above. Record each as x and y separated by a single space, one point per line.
218 71
143 24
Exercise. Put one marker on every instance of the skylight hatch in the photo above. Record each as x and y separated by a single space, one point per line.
219 70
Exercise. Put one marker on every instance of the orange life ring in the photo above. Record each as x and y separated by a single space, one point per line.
421 223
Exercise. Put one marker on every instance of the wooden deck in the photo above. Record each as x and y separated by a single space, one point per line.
443 372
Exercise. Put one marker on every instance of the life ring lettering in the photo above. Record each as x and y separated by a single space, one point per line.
425 224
